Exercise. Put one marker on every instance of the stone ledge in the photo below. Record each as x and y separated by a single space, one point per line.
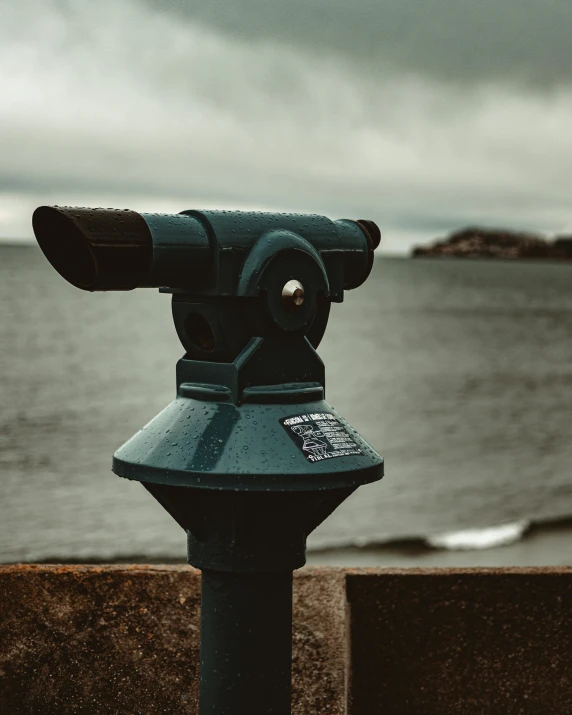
125 639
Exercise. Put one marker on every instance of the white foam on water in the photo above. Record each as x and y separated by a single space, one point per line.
487 538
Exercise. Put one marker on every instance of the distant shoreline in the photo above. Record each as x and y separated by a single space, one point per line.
477 242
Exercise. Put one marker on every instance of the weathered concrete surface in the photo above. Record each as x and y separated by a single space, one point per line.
122 640
461 642
320 643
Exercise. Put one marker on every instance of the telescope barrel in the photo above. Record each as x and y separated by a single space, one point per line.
194 252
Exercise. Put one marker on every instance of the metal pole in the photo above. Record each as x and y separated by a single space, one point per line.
246 643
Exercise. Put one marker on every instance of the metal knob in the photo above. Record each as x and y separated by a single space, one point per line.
293 295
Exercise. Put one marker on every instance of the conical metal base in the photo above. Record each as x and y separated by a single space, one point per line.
215 444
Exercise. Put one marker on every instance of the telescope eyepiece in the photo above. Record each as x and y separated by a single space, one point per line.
372 230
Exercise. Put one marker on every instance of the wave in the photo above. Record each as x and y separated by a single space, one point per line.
473 539
484 538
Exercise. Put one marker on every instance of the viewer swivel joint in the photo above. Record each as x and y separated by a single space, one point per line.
249 458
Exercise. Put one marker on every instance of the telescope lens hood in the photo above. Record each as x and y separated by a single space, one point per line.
95 249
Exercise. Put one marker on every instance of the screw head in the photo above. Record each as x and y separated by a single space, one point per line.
293 295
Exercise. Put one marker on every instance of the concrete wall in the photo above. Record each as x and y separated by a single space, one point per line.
114 639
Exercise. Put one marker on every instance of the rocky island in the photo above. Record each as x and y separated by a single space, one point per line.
475 242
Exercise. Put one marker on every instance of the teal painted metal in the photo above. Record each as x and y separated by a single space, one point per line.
207 440
219 445
249 458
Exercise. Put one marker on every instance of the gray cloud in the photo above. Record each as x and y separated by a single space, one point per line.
515 41
126 103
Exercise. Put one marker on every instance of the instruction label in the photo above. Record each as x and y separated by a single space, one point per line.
320 435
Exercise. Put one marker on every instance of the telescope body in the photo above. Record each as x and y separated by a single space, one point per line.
249 458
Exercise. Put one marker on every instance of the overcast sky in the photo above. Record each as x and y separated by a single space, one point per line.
423 115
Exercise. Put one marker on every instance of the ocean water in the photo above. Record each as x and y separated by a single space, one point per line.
458 372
